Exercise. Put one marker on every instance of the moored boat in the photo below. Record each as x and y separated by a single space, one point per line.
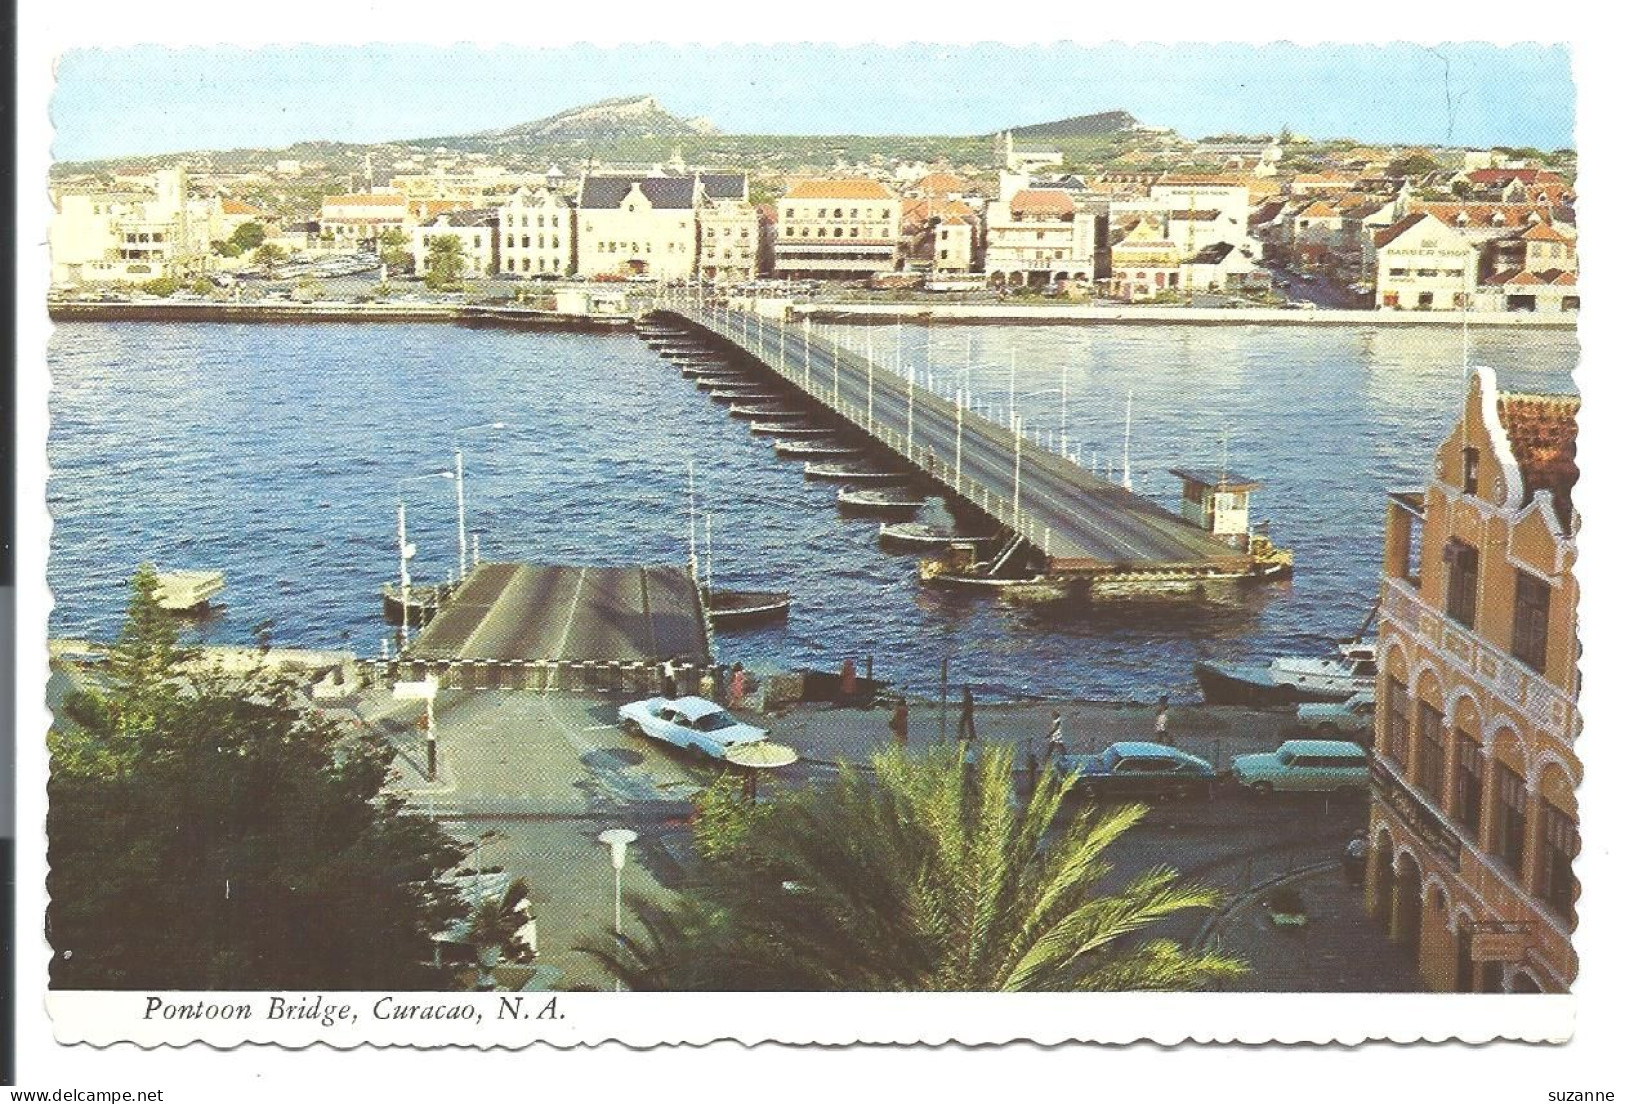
916 535
424 602
765 413
791 429
1289 679
739 395
738 608
850 472
808 449
188 591
894 502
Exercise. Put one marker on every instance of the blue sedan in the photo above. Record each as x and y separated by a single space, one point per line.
1140 769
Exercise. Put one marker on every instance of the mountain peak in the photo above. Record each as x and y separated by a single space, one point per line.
622 117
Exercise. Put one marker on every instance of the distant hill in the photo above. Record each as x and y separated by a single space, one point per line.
605 121
1105 124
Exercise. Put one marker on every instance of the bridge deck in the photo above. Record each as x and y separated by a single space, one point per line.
1079 521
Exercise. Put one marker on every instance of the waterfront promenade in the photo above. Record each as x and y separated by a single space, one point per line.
1121 313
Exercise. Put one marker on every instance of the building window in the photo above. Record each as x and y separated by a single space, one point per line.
1430 751
1469 803
1461 595
1469 471
1531 606
1510 817
1399 725
1554 876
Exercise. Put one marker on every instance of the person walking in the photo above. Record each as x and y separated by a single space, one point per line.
708 685
1055 745
967 716
736 686
899 723
849 682
1161 724
668 680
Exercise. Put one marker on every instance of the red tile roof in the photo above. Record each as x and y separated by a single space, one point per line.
368 200
1542 430
839 188
1484 214
1383 237
238 207
1042 201
940 183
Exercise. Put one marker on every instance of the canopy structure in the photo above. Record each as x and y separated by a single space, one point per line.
761 756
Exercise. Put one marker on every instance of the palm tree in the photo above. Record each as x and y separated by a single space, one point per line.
494 931
927 875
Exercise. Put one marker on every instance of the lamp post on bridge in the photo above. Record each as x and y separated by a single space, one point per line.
407 550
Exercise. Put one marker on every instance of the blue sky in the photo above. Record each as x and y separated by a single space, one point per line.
140 100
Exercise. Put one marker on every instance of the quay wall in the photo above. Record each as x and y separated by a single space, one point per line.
188 311
1034 313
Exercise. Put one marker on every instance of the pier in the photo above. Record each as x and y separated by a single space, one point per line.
1073 524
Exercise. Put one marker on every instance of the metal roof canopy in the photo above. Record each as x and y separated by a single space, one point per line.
525 613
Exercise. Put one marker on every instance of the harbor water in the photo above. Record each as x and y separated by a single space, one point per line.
277 453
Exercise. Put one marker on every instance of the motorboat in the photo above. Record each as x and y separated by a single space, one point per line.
1289 679
894 502
849 471
806 450
740 608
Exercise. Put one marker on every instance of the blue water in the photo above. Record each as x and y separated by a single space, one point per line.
274 453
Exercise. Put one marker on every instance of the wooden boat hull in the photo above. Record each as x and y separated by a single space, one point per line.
921 537
425 602
786 429
842 473
765 414
800 450
739 608
853 500
1236 684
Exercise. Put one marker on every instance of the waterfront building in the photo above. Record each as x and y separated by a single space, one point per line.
1474 772
1230 198
730 229
149 228
476 230
1043 236
355 219
837 227
638 226
1145 262
537 234
1424 264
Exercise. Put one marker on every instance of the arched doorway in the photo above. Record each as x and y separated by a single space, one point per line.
1406 928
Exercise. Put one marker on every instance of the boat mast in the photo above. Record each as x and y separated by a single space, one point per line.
693 545
1128 421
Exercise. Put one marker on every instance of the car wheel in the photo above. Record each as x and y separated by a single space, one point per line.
1262 789
632 728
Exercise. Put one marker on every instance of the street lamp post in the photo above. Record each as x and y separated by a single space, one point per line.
617 839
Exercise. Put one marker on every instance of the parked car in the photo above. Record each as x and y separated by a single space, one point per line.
1351 717
690 722
1304 766
1140 769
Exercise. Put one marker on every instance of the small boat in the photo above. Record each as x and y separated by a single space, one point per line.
738 608
765 413
803 450
790 429
740 395
850 472
699 368
1289 679
916 535
425 601
880 501
725 380
188 591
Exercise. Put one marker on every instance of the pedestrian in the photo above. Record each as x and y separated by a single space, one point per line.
1161 723
849 682
967 716
1354 859
736 686
708 685
668 679
899 722
1054 746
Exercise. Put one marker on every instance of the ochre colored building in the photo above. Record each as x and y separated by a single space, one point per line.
1473 815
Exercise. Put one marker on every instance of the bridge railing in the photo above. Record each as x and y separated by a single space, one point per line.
778 347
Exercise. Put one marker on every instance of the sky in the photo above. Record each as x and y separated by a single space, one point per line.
148 99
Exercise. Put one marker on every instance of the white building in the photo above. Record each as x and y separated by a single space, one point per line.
537 234
1423 264
475 230
638 226
1042 236
1231 200
135 235
362 218
730 228
837 227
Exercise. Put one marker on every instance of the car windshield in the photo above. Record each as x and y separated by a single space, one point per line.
713 722
1109 758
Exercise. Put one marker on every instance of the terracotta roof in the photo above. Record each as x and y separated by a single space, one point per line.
1318 210
1041 201
1524 277
940 183
1484 214
238 207
1542 231
1194 216
369 200
839 188
1542 430
1201 178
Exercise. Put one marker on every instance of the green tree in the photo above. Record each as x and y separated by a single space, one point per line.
1415 164
445 264
269 254
162 286
928 876
249 235
392 248
211 831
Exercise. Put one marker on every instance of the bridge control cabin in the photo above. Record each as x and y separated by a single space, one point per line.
1218 503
